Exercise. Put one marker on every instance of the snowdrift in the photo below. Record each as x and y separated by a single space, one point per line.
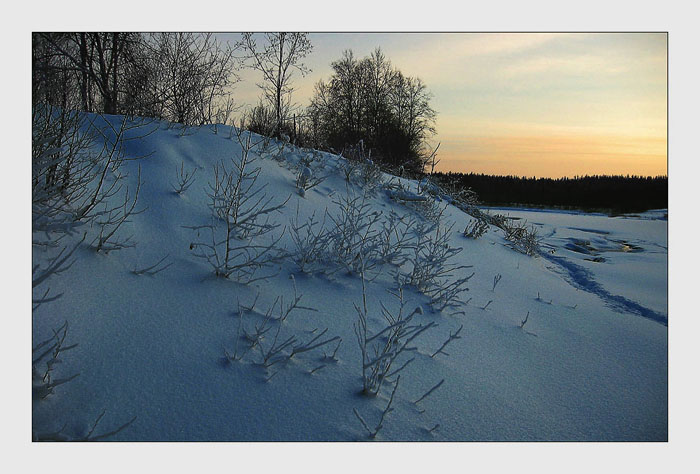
274 355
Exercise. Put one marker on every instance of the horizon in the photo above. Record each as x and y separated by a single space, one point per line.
580 176
551 105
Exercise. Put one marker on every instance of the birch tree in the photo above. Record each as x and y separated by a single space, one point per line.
277 57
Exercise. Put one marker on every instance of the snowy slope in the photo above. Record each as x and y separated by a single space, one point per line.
588 365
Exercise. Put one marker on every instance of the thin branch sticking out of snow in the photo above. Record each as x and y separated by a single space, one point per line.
378 357
153 269
184 179
373 432
449 339
429 392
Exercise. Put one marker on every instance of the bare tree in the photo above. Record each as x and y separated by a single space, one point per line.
410 101
277 60
192 75
99 59
55 80
368 99
184 77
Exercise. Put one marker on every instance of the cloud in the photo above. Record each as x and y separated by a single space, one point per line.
568 97
587 64
447 58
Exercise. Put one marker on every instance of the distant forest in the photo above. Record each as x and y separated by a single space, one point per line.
612 194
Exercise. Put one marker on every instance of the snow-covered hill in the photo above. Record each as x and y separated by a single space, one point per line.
176 351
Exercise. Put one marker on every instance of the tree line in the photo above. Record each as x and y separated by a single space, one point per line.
616 194
189 78
181 77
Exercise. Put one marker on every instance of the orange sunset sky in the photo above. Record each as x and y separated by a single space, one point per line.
526 104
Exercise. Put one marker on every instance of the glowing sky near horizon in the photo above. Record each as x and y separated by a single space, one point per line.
526 104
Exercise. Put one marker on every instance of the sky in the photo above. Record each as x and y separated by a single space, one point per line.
525 104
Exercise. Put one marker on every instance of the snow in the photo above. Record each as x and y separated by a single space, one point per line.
631 252
590 364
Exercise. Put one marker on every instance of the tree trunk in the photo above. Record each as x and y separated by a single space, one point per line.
84 73
279 85
117 46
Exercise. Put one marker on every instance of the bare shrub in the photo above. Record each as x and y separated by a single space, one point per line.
358 238
358 168
89 436
349 169
260 119
423 204
370 176
373 432
106 179
280 349
309 171
499 220
396 239
522 238
311 241
354 242
240 214
71 182
63 166
112 218
382 349
432 267
74 183
464 198
476 228
184 179
47 353
56 264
